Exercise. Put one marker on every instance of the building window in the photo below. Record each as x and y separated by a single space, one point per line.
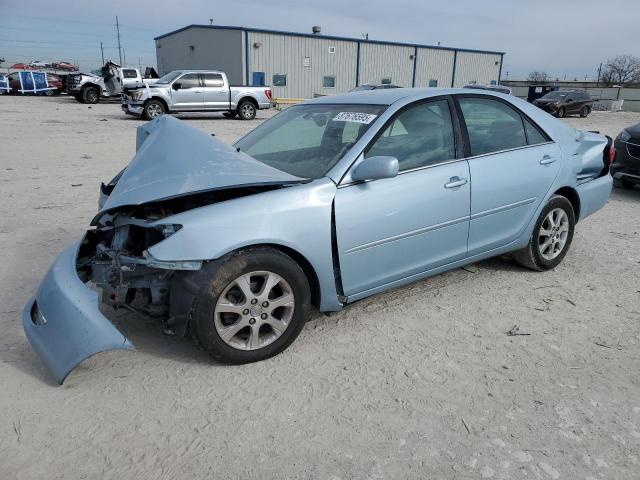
386 81
329 81
279 80
332 49
433 83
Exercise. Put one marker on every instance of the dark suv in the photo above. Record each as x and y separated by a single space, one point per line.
564 102
626 166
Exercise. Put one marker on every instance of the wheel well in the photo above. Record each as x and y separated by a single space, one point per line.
307 268
90 85
571 195
161 100
249 99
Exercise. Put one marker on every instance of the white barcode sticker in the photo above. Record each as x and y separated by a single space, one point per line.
356 117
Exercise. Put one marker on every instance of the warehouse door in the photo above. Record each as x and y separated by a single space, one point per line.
258 79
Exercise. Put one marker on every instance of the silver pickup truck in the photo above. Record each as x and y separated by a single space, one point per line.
195 91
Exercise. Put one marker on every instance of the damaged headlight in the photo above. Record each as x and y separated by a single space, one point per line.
137 95
624 136
169 229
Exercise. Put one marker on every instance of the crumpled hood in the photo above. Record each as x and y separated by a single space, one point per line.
175 159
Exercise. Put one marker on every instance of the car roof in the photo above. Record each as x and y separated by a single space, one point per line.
389 96
195 70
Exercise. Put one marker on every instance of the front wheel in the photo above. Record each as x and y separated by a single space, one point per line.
250 306
247 110
153 109
551 236
90 95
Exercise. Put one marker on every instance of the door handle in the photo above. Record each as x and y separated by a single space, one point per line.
455 182
546 160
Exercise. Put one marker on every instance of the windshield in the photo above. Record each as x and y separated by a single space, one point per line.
555 96
308 140
363 87
169 77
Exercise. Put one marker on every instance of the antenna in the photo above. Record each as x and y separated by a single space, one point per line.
119 47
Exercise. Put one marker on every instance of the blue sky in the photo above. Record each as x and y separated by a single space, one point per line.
563 37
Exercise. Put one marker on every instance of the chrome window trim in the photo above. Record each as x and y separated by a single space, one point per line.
448 162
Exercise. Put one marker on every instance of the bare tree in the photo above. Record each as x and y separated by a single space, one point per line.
621 70
539 77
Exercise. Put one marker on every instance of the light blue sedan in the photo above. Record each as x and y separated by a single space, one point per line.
328 202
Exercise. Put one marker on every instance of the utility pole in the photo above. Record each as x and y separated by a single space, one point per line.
124 57
102 52
119 47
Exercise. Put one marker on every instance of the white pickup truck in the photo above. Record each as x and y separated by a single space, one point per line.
195 91
89 88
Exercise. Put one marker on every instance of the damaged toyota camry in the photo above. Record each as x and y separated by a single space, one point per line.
324 204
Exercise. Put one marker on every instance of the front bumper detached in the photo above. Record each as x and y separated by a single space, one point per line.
63 322
132 109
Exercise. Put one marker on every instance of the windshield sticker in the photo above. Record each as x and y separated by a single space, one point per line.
356 117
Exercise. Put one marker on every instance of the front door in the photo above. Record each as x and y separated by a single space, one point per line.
189 95
216 93
394 228
513 164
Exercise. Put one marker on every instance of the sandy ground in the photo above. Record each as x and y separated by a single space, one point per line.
421 382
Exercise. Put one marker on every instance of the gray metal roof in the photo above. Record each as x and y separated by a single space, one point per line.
330 37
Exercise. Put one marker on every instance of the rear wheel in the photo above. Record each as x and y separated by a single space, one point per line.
247 110
90 95
153 109
551 236
584 111
251 305
561 112
229 114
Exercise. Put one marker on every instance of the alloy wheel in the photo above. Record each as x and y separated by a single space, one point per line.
553 234
254 310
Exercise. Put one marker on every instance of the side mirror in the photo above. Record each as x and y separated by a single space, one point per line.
374 168
176 86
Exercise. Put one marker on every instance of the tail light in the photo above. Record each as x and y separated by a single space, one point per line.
612 154
268 93
608 156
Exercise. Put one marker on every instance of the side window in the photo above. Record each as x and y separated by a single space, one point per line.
212 80
419 136
492 125
534 136
279 80
129 73
190 80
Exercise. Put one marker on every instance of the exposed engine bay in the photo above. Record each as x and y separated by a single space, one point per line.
114 256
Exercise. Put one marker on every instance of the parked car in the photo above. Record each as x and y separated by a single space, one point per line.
374 86
195 91
326 203
65 66
21 66
38 64
54 81
492 88
565 102
626 167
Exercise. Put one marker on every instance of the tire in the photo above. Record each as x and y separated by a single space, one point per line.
548 257
153 109
584 112
219 304
230 114
623 183
247 110
561 112
90 95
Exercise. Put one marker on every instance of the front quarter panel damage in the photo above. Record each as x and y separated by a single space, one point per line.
296 217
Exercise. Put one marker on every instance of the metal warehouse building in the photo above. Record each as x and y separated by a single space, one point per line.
300 65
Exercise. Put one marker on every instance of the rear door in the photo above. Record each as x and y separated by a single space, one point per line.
216 93
189 94
512 164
